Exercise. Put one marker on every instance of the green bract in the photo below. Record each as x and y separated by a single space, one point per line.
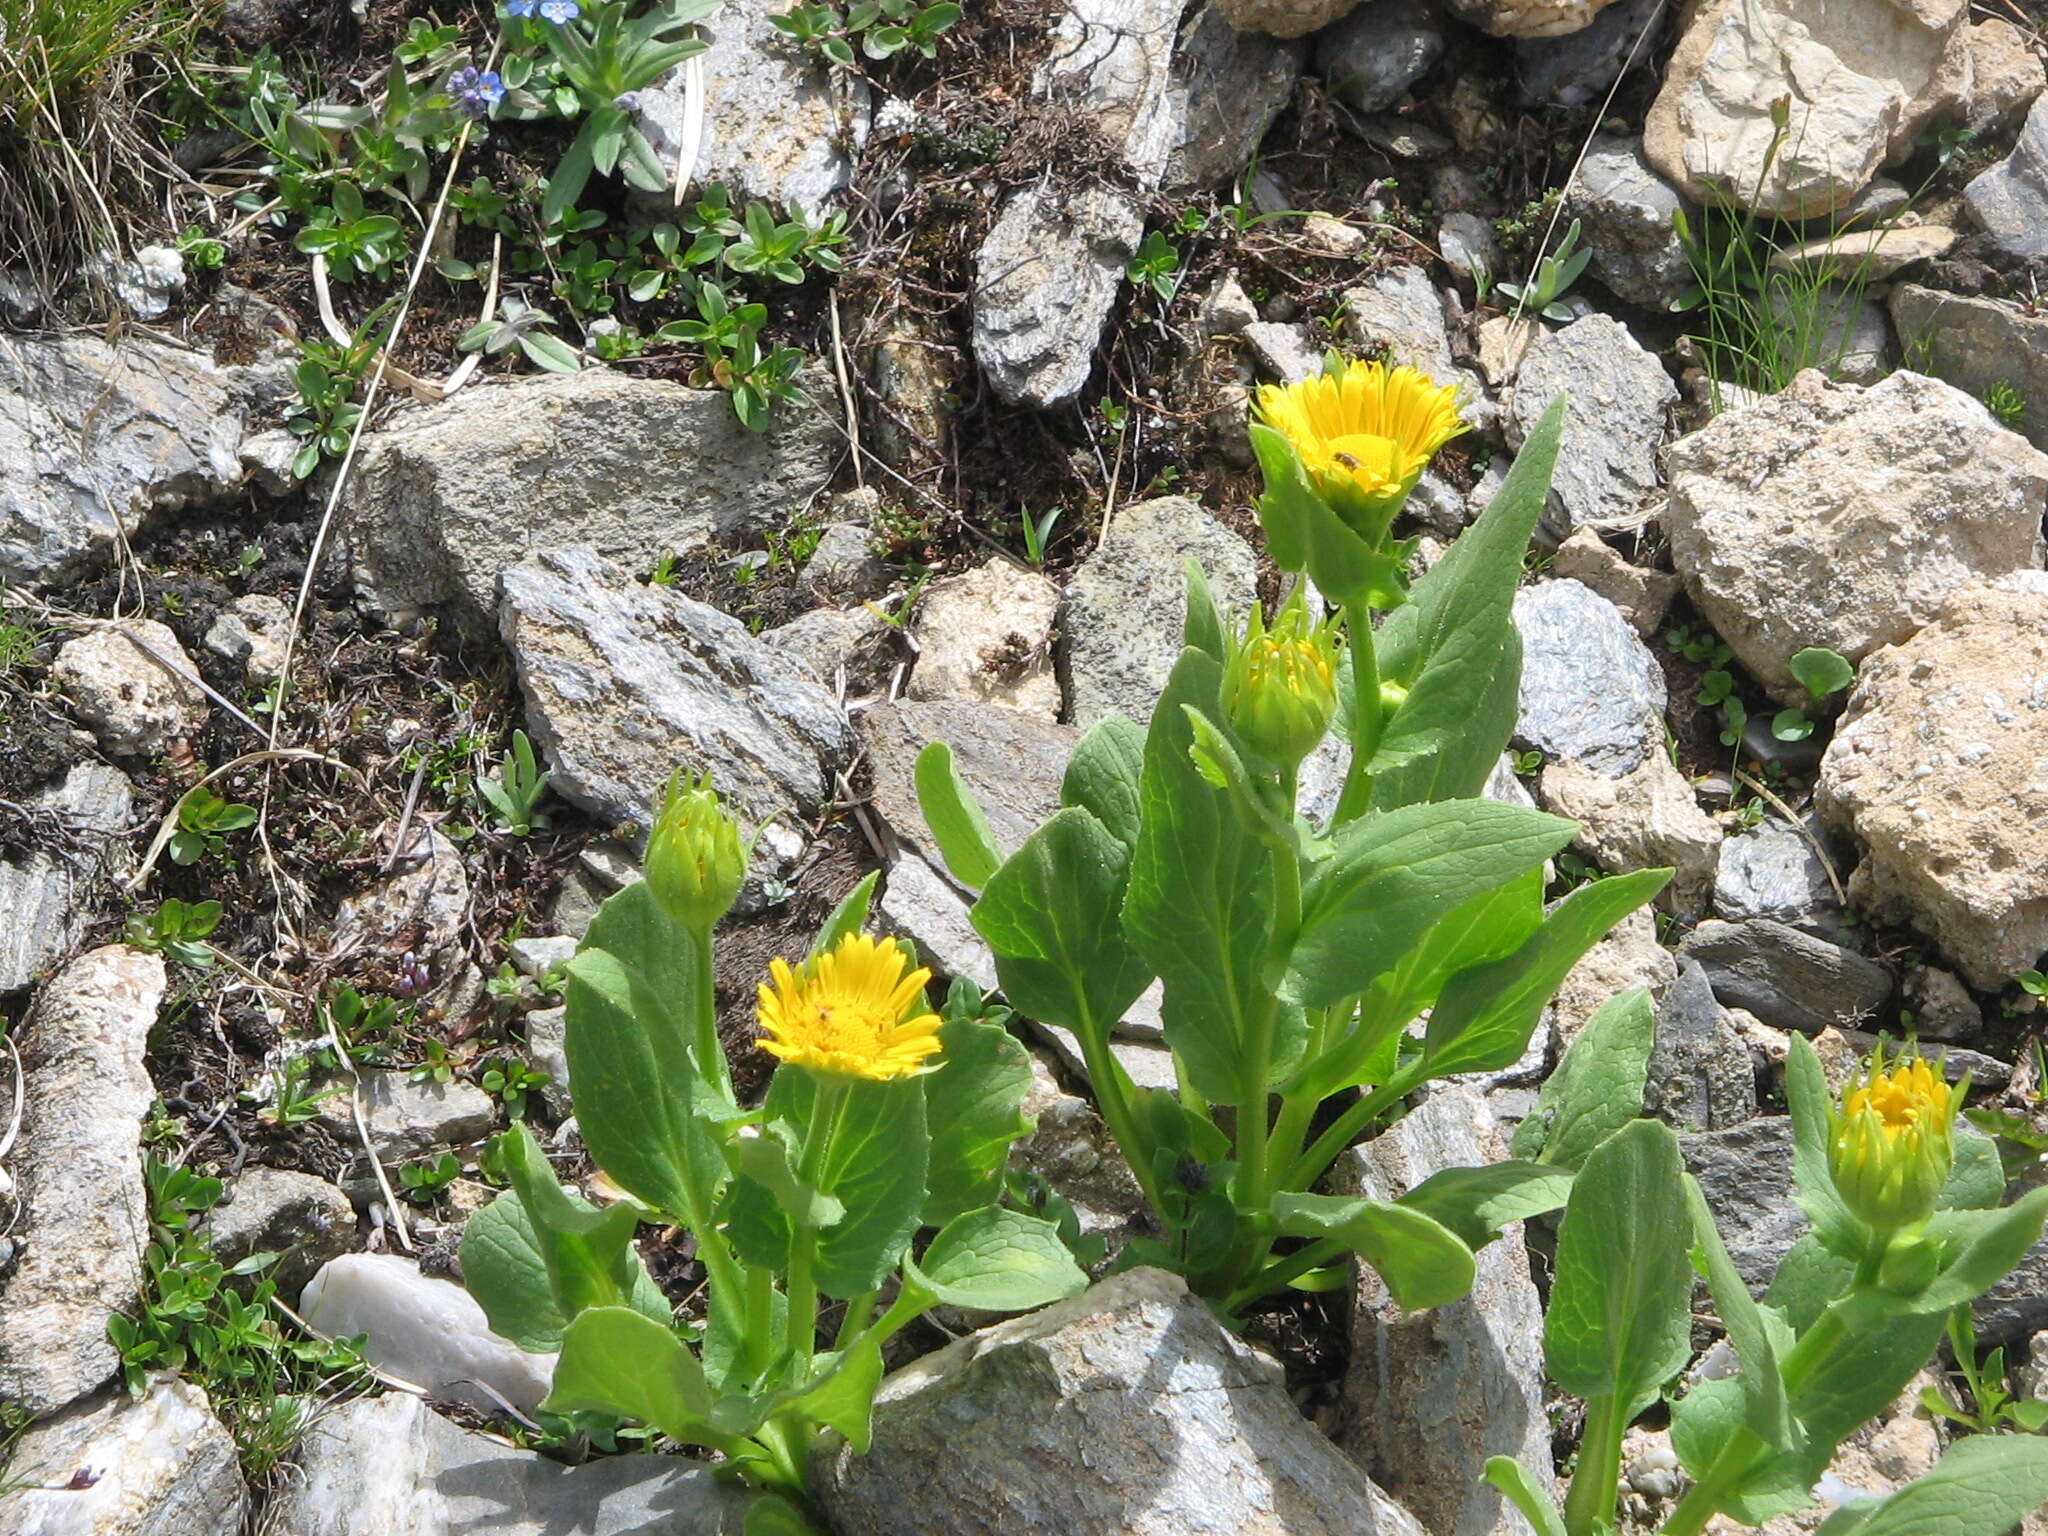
819 1193
1298 956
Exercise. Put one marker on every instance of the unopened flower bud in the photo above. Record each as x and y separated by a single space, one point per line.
1280 685
695 862
1891 1143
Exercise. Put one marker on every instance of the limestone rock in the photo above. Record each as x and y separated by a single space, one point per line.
391 1466
303 1220
625 683
2005 73
844 567
916 370
2011 199
1127 1408
42 891
1772 871
1591 691
1700 1076
1120 631
1937 769
1845 332
1284 353
1977 344
1431 1395
1789 979
1528 18
987 636
1578 68
446 498
1643 596
1011 761
1283 18
1375 54
779 124
133 685
1045 280
1837 516
1227 88
1620 397
160 1465
1626 210
1644 819
1113 61
1628 956
423 1330
252 632
423 906
1863 78
407 1119
83 1217
95 434
1867 255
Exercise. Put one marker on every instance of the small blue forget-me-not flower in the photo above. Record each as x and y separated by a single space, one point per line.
476 93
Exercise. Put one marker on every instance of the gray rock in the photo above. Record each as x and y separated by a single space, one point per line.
94 435
1227 88
2006 76
1645 819
537 954
425 1331
843 567
1045 280
1831 515
2016 1306
422 907
42 892
391 1466
133 686
1013 762
919 904
1226 309
1431 1395
1746 1174
547 1033
408 1119
1941 1005
1626 211
2011 199
1127 1408
916 370
1789 979
1468 246
1629 956
1121 626
1701 1077
827 640
447 498
82 1218
779 125
1400 313
1576 69
1977 344
252 632
1072 1150
986 636
1620 396
1772 871
1371 57
303 1220
1592 693
1849 334
625 683
1644 596
160 1465
1283 353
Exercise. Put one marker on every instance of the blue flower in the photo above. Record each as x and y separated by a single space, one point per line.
476 93
520 7
560 10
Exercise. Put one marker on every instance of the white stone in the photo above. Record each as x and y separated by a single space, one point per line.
133 685
987 636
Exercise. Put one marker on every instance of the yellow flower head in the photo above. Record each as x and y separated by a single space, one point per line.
1280 685
1365 433
852 1012
1891 1144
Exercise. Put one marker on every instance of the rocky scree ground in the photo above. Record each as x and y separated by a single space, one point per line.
1075 239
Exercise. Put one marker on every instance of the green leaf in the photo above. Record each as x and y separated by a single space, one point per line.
1821 671
1597 1087
1982 1247
1477 1202
1422 1261
1455 648
972 1113
571 175
1976 1179
616 1361
1200 905
503 1269
588 1252
1304 534
1485 1016
850 916
1103 776
1050 915
1807 1097
1984 1485
1395 874
1763 1389
1620 1321
845 1399
998 1260
771 1515
1203 629
551 353
1520 1489
875 1167
955 818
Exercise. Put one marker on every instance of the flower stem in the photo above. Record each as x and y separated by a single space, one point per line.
704 1011
1112 1087
801 1337
1589 1505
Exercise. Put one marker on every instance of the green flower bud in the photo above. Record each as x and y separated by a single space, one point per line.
695 862
1891 1143
1280 685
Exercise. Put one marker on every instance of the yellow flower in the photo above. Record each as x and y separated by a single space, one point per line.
852 1012
1891 1144
1364 434
1280 685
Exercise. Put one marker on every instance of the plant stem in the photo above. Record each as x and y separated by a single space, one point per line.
801 1337
1112 1097
1324 1250
1366 717
858 1311
760 1315
704 1009
1589 1506
911 1303
1310 1166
